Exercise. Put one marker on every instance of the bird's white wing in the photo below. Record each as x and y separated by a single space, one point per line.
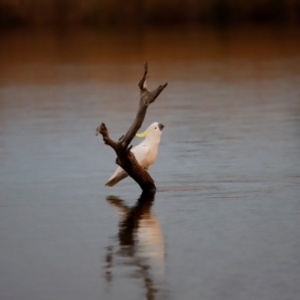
140 152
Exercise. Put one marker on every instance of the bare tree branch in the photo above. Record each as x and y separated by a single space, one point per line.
142 83
146 99
125 157
107 140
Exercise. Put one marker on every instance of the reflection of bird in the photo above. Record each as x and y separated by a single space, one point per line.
140 235
145 152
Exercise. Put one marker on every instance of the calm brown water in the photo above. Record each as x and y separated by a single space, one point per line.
224 223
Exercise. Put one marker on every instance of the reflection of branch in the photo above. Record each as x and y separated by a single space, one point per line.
119 204
128 227
125 157
130 224
109 261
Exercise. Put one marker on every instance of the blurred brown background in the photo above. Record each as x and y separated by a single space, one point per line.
16 13
225 223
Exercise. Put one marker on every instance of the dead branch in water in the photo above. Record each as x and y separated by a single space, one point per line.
125 158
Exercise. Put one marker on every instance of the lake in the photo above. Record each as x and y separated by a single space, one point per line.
224 223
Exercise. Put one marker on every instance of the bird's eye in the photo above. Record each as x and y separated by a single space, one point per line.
155 128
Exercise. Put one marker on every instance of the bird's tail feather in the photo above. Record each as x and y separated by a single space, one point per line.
114 180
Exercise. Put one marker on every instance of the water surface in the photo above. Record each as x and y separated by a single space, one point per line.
224 223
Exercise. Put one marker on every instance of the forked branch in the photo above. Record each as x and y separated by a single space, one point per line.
125 157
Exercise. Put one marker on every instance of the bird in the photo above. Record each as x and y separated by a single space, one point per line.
145 152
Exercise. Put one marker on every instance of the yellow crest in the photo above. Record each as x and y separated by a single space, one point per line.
143 134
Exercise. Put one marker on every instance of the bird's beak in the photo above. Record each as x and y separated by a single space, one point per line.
161 127
143 134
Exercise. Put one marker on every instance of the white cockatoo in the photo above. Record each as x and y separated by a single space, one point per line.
145 152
